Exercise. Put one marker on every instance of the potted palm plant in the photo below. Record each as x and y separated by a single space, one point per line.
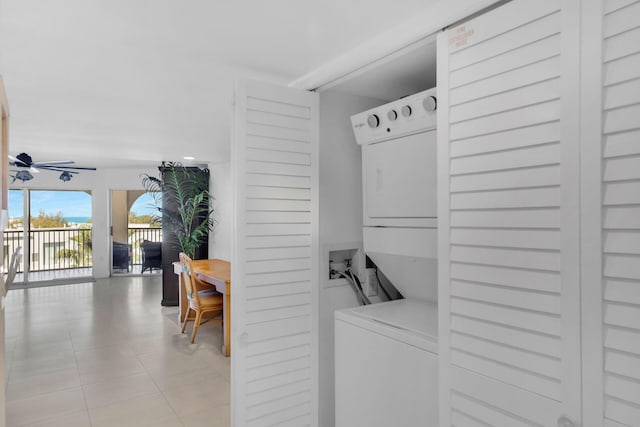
183 202
182 199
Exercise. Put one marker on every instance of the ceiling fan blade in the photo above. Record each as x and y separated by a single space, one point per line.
14 161
57 169
55 162
24 160
67 167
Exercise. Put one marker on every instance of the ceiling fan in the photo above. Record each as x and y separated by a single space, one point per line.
27 167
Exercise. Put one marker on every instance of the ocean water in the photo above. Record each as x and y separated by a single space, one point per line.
77 219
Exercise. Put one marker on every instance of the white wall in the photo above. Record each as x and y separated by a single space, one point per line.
100 183
221 188
119 216
340 220
3 144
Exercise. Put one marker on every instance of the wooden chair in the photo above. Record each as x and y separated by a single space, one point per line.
202 299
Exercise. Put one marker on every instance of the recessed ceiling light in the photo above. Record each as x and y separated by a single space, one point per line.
189 158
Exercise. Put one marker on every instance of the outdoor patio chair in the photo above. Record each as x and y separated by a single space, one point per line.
151 255
121 255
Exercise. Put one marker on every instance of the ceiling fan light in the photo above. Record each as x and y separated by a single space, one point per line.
65 176
22 175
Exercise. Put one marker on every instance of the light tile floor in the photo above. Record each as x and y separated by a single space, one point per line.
75 275
107 354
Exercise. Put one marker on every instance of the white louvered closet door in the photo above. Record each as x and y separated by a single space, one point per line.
621 210
508 217
611 205
274 267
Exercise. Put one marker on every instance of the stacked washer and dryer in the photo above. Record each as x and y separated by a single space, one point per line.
386 366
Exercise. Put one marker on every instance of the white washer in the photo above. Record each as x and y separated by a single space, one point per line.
386 365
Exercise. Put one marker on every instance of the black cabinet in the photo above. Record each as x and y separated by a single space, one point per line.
170 247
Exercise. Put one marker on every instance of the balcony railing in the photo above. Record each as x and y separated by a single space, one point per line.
51 248
68 248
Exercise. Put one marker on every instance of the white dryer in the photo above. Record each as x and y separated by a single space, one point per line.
399 172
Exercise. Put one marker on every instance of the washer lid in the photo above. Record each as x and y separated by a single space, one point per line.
416 316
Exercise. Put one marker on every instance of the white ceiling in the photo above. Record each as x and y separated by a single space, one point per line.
134 82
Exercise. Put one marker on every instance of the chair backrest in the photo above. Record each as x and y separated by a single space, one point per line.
188 278
13 269
151 249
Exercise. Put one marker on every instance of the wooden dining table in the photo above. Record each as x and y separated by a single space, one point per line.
216 273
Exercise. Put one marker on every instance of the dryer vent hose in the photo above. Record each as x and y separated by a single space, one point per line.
356 285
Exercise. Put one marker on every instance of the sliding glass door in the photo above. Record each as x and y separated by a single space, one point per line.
54 229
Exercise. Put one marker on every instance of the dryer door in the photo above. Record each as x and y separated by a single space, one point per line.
400 178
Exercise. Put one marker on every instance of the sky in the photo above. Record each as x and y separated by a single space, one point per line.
70 203
143 205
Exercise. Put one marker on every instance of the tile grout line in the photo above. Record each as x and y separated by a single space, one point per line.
84 397
37 394
160 390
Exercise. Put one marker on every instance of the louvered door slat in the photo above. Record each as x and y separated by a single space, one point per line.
469 410
275 256
541 260
290 353
622 291
620 412
481 390
508 335
277 156
278 344
507 140
280 393
489 40
536 176
504 295
277 132
508 230
541 281
540 155
284 189
613 5
621 70
501 238
543 49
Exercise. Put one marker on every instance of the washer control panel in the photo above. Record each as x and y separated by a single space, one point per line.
412 114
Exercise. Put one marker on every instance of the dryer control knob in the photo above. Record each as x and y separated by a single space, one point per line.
373 121
392 115
430 104
406 110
